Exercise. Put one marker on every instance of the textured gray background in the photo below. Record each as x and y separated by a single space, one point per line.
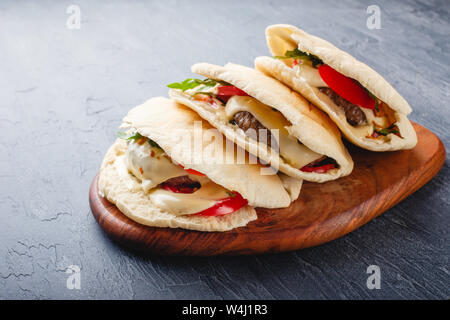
63 94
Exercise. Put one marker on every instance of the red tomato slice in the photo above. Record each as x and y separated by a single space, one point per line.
224 206
226 92
230 91
346 87
192 171
320 169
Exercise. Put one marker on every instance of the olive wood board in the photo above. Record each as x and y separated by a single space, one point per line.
323 212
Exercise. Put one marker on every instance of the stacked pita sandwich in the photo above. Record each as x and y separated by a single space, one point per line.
366 108
242 138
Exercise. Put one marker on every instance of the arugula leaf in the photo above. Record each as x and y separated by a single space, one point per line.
297 54
136 136
191 83
385 131
391 129
185 85
154 144
292 54
125 136
377 103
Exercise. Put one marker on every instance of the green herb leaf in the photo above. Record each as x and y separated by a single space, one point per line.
377 104
154 144
193 83
125 136
231 194
387 131
136 136
304 56
185 85
294 54
391 129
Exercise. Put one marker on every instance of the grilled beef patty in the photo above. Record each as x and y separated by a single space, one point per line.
183 183
355 116
245 120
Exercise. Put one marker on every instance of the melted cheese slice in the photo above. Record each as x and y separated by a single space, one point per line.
296 154
152 167
150 164
310 75
188 203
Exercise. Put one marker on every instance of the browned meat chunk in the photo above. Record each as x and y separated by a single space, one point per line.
245 120
355 116
182 184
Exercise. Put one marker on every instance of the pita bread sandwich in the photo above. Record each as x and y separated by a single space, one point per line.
367 109
268 119
162 172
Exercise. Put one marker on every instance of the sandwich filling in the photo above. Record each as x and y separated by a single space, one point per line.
171 187
368 116
257 120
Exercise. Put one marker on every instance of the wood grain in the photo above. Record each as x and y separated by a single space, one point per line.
322 213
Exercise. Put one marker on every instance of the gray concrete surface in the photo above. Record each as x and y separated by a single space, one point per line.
63 94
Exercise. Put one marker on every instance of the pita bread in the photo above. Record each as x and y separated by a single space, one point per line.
125 191
171 126
310 125
281 38
166 122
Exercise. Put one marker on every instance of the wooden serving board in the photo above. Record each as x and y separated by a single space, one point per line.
322 213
